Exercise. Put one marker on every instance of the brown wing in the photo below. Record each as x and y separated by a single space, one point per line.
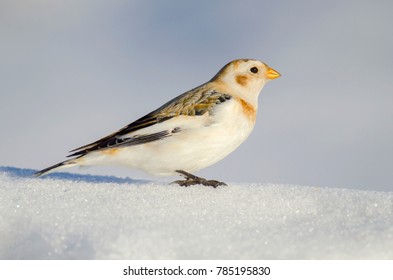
195 102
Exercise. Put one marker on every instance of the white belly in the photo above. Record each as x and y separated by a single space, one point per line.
191 149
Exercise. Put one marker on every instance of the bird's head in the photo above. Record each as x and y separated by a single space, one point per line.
245 78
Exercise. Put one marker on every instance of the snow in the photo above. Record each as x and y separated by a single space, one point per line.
69 216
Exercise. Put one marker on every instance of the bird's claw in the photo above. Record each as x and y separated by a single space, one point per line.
191 179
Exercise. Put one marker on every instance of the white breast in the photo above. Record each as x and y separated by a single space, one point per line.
200 142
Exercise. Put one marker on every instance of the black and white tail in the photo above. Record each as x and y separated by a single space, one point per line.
65 164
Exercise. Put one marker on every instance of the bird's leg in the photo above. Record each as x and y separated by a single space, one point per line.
195 180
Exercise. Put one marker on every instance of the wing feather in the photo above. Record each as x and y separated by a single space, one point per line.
195 102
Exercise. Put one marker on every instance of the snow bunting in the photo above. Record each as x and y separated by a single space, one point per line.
192 131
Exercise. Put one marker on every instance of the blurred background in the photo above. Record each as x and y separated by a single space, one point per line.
74 71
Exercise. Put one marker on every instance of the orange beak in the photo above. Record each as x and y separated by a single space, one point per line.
272 74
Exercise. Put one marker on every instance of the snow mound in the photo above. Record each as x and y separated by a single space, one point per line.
66 216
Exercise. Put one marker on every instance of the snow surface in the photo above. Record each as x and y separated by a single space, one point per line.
69 216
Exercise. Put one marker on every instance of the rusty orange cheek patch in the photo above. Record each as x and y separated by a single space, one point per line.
242 80
248 110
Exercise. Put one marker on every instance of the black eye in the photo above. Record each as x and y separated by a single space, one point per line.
254 70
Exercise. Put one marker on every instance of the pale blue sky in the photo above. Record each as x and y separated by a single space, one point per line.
74 71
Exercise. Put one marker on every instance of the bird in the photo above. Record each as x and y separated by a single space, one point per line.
190 132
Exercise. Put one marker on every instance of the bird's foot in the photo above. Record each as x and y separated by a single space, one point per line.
195 180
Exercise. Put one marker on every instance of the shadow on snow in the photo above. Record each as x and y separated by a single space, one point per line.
29 173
